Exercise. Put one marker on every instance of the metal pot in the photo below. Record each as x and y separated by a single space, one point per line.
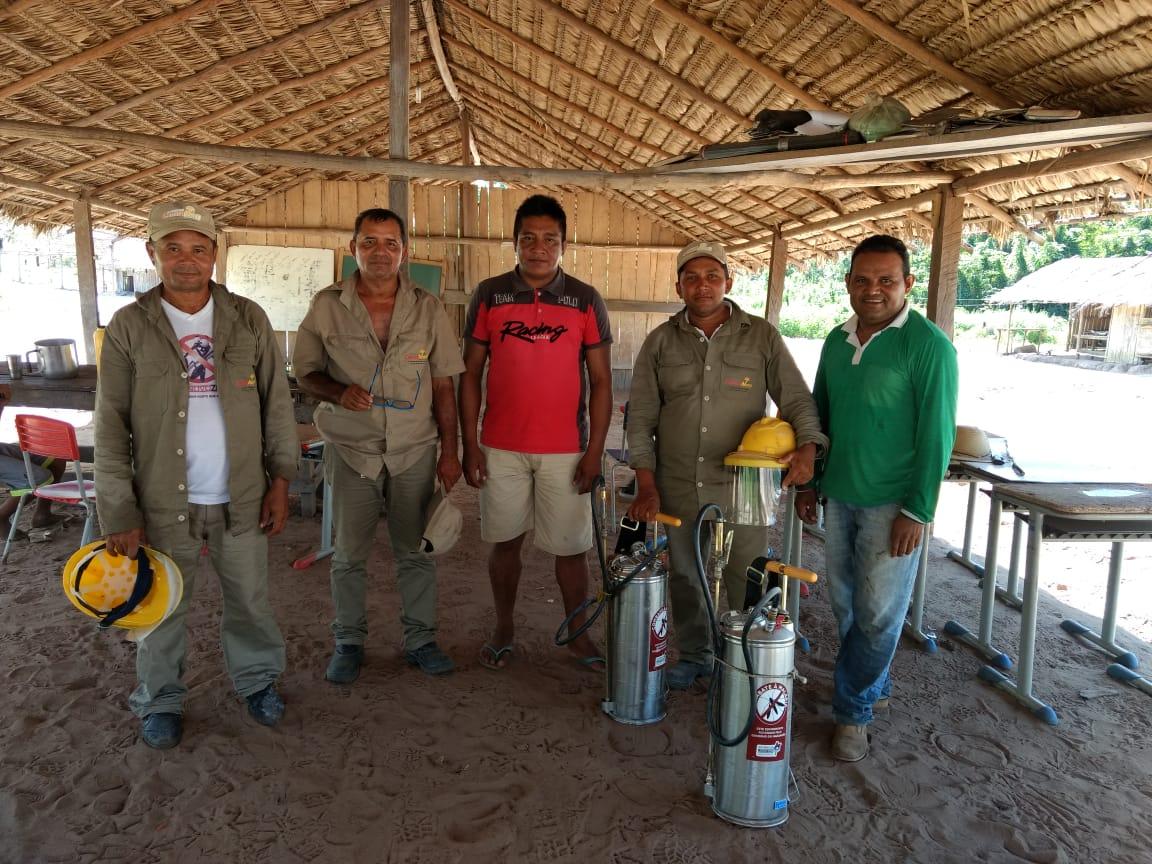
57 357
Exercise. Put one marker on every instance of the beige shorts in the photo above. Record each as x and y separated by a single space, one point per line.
534 490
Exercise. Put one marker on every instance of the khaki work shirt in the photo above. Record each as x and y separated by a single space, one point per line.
142 414
693 398
336 337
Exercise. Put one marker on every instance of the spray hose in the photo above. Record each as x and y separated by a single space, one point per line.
758 611
607 589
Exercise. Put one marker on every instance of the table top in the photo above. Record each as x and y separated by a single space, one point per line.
1079 500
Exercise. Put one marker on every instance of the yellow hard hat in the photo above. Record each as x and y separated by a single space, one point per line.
136 594
763 444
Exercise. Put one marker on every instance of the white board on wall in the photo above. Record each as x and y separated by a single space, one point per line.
282 279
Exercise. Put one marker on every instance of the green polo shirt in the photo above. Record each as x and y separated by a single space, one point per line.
889 409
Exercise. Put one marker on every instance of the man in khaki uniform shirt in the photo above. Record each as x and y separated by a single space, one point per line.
379 353
196 445
700 380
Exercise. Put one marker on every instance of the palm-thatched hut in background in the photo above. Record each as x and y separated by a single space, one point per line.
1109 300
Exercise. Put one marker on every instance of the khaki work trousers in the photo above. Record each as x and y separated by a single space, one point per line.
356 505
689 610
253 646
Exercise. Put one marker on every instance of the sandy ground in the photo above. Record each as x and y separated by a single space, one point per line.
521 765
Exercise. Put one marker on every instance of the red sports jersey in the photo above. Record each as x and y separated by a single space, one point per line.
537 387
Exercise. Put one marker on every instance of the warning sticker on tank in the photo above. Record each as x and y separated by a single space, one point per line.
769 736
658 640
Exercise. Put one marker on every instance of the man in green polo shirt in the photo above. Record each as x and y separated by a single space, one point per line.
886 390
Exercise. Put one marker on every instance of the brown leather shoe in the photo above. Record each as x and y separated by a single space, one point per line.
850 743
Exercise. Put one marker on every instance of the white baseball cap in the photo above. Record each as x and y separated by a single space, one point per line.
443 526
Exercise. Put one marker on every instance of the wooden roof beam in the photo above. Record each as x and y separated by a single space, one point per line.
105 48
66 195
1137 183
596 158
748 60
215 69
913 48
1099 157
578 73
432 29
651 67
220 113
1004 217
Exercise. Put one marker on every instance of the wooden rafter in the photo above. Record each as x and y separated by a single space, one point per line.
883 30
736 52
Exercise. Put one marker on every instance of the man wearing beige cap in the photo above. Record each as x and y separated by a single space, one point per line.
191 394
700 380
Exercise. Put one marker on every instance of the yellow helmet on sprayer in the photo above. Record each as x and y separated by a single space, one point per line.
765 442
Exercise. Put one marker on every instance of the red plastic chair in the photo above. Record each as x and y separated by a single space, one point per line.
43 436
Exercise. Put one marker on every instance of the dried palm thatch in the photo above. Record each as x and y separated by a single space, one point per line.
583 85
1103 282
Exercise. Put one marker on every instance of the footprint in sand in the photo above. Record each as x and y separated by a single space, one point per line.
978 751
639 740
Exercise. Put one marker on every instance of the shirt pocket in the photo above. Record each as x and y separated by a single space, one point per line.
742 376
677 375
150 388
240 368
353 357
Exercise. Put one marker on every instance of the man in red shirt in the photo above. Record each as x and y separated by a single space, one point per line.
537 330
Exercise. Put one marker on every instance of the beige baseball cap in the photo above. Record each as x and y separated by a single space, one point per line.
701 249
444 525
172 216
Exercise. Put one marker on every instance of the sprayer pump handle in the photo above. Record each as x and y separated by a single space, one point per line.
787 570
665 519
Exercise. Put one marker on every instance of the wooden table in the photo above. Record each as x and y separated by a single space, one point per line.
79 393
36 391
1067 512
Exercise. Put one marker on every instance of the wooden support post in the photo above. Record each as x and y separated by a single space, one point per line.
947 233
86 271
775 300
398 61
221 272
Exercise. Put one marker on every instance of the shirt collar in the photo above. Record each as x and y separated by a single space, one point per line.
348 287
901 318
555 287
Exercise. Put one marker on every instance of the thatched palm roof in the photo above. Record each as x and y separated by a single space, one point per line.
579 84
1106 282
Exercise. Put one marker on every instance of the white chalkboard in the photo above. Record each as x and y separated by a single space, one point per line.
282 279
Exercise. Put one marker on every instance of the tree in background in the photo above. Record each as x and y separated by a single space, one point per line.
815 300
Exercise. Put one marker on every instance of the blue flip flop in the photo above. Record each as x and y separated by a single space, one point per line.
490 657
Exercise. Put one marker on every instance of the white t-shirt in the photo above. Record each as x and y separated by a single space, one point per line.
206 444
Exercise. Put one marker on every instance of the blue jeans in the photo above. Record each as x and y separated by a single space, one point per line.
869 590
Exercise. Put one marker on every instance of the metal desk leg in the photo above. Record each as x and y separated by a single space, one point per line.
965 557
1010 593
327 547
1021 689
792 532
1106 639
982 643
914 623
1127 676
